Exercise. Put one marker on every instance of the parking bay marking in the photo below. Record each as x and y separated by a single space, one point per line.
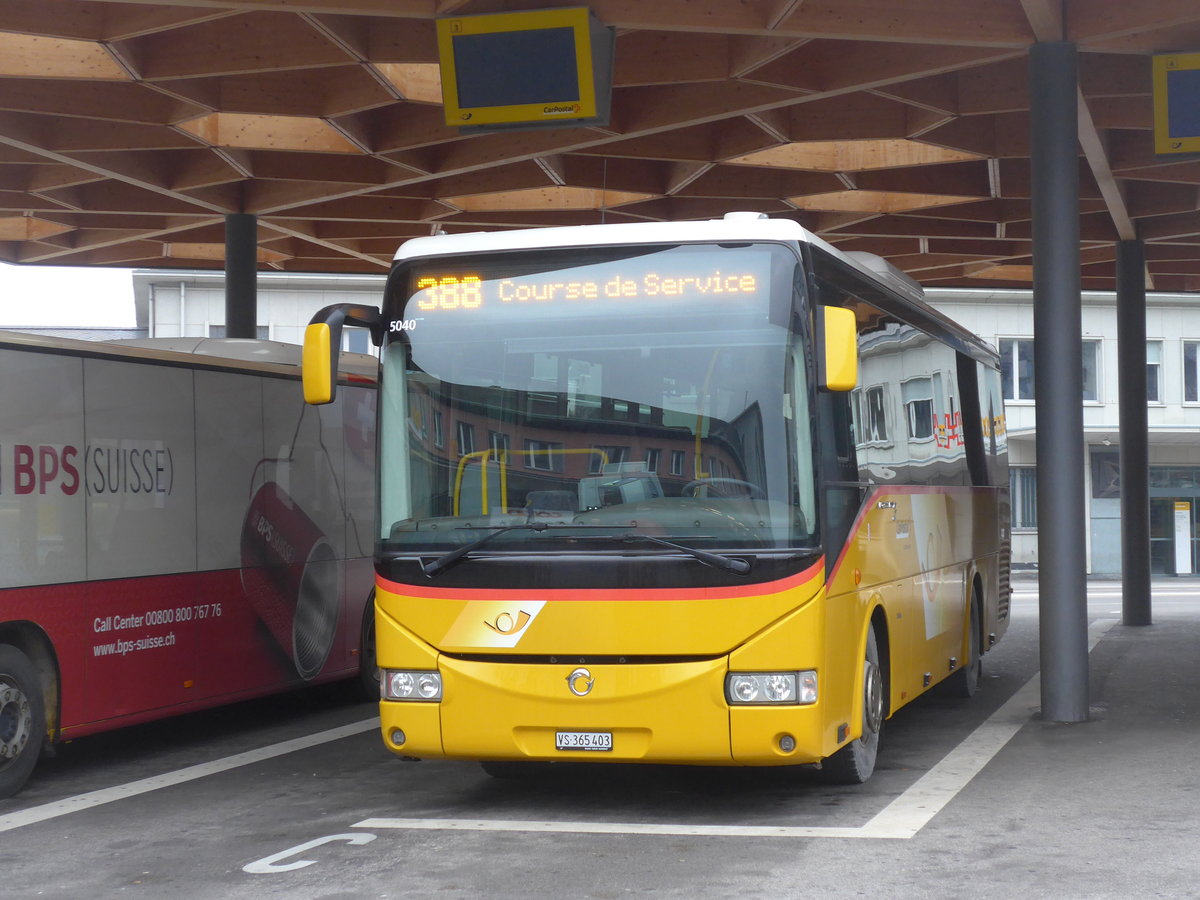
901 819
168 779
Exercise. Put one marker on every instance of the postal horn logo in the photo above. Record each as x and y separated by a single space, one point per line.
580 682
506 623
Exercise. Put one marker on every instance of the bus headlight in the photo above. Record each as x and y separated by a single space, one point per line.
755 688
408 684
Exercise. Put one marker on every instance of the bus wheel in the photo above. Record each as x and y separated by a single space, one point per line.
964 682
22 719
368 663
854 763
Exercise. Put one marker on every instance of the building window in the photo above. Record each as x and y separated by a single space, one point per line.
1016 368
499 443
918 408
439 435
1191 381
606 455
678 459
1022 484
1091 371
1154 372
1017 374
875 428
653 459
465 433
546 456
356 340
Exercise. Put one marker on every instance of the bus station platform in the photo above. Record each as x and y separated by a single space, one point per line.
1103 808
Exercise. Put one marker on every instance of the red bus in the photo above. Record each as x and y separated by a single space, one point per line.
178 529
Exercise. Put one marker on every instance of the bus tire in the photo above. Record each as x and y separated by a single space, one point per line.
964 681
22 719
368 662
854 763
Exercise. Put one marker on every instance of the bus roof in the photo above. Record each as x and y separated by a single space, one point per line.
235 353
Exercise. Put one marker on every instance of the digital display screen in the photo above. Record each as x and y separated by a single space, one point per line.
509 68
674 280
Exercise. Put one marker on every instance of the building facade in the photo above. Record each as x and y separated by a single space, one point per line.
171 303
1005 319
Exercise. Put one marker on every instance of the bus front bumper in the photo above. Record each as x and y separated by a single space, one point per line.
670 713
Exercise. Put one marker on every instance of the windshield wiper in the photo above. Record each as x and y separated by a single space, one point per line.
444 562
716 560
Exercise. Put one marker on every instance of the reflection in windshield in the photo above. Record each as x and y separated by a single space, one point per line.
668 419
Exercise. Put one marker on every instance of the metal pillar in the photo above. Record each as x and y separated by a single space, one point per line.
1058 372
1135 453
241 275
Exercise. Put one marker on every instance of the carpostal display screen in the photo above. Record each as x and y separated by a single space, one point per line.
678 282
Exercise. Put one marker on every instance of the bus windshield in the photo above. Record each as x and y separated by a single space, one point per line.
603 393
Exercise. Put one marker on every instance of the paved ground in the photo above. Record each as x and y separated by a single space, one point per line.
296 798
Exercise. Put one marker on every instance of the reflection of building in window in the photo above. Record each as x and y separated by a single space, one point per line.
465 434
1022 483
499 443
875 429
606 455
546 456
918 407
678 461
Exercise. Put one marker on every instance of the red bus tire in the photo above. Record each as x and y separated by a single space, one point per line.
22 719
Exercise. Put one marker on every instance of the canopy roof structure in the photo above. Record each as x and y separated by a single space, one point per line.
129 130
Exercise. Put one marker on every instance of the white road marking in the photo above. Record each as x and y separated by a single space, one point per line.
905 816
902 819
93 799
273 864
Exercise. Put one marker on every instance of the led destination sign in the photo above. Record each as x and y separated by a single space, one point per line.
466 291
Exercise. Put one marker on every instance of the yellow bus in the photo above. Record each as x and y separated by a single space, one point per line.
708 493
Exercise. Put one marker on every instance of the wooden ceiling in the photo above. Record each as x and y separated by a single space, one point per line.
128 130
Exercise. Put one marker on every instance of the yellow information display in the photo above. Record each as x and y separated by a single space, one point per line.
532 69
1177 103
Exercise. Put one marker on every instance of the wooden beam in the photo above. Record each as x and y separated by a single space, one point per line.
231 46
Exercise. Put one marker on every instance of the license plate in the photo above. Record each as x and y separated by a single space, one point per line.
583 740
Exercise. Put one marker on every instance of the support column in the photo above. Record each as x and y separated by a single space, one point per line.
1135 451
1058 368
241 275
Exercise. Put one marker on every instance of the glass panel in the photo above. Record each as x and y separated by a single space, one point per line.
1191 383
1091 371
594 363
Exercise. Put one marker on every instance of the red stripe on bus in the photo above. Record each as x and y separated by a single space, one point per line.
612 595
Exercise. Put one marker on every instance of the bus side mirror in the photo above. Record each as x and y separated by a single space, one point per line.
323 342
838 369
